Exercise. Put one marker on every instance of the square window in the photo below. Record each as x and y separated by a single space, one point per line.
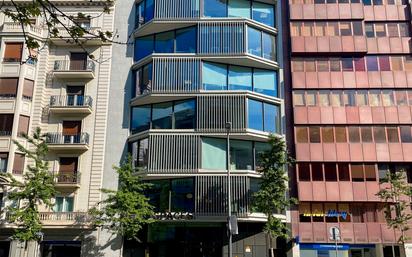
302 135
314 134
298 65
354 136
322 65
347 64
333 29
345 29
379 134
304 171
340 135
357 172
380 30
359 64
384 63
366 133
327 135
396 63
369 30
334 64
393 136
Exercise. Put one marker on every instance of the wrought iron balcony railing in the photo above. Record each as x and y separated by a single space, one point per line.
67 65
62 139
71 101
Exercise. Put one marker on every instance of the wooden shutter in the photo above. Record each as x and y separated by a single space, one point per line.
24 122
72 127
28 88
13 52
68 164
8 86
18 165
78 61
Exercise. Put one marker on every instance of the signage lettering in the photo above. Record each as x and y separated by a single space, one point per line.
329 214
174 216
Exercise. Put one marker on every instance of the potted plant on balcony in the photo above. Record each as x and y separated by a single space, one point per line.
271 198
37 187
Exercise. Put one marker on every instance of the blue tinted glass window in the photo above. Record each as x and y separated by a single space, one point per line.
241 155
139 14
164 42
265 82
215 8
240 78
158 194
214 76
182 195
186 40
239 8
254 41
184 113
140 118
269 47
264 13
255 115
271 118
162 116
143 47
149 10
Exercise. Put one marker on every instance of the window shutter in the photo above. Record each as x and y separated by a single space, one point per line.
68 165
23 125
8 87
71 127
18 166
28 88
13 52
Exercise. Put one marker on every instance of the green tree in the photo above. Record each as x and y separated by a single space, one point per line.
397 193
56 22
124 211
272 197
36 188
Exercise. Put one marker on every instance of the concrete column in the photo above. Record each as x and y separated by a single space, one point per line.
21 249
101 243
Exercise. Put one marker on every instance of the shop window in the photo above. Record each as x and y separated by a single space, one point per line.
330 172
304 171
302 135
354 136
396 63
314 134
406 136
340 135
359 64
379 134
343 170
317 172
304 212
357 172
327 135
366 133
393 136
370 173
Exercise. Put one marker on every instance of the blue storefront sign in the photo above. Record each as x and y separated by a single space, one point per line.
341 247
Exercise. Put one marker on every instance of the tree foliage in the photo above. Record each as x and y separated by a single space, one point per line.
36 188
56 22
272 195
126 210
396 193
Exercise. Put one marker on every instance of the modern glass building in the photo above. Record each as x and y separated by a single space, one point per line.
351 78
199 64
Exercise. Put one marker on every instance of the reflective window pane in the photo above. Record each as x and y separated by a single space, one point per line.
271 119
162 116
379 134
264 13
241 155
269 46
254 41
387 98
143 47
149 10
265 82
164 42
185 114
393 136
240 78
239 8
186 40
302 135
255 115
213 153
354 136
366 133
372 63
214 76
406 136
314 134
215 8
340 135
140 118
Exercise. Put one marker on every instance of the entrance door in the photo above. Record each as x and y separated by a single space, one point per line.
71 131
78 61
75 95
50 250
4 249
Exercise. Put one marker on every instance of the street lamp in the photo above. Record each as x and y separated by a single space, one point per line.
231 220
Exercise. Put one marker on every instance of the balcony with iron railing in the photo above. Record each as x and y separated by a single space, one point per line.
91 37
68 143
68 179
71 104
68 69
54 219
